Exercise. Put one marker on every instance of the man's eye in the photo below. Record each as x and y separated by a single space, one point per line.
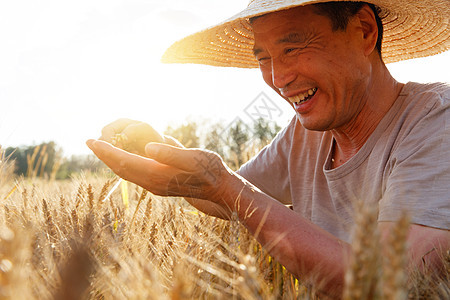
290 50
264 60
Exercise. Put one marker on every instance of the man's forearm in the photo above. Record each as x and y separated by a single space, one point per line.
209 208
302 247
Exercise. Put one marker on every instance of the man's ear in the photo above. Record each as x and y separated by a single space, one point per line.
369 28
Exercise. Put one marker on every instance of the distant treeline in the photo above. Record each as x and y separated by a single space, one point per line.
236 143
46 160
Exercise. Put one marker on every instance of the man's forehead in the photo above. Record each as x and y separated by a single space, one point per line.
292 37
295 25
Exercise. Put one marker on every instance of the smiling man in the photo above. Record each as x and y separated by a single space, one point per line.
357 133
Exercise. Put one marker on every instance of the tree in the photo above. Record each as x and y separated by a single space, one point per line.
213 139
80 163
237 140
264 131
35 161
46 161
186 134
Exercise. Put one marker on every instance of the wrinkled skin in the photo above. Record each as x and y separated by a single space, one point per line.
166 170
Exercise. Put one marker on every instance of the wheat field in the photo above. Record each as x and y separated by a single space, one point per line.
71 240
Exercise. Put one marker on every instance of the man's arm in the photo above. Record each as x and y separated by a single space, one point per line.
311 253
301 246
426 246
306 250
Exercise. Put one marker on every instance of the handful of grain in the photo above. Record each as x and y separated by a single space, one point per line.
131 135
137 144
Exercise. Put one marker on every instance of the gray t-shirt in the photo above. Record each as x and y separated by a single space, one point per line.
404 165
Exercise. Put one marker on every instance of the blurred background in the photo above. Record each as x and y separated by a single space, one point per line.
67 68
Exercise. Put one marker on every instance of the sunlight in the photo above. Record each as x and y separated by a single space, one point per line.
68 69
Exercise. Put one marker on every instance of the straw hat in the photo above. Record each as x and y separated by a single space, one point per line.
411 29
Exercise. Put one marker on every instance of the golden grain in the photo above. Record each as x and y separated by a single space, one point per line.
162 251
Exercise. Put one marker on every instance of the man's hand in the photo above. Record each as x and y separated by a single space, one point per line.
132 135
202 177
170 171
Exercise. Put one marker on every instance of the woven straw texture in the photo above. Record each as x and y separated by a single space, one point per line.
411 29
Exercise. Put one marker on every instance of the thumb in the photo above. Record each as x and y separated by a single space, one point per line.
170 155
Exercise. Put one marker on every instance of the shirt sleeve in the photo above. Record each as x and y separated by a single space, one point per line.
268 169
419 176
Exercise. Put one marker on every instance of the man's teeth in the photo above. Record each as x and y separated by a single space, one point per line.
303 97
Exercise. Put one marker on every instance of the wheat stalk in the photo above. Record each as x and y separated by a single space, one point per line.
394 261
361 278
175 252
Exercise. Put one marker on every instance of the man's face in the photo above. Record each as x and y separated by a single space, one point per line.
322 73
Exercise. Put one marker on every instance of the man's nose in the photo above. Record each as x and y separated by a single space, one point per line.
282 74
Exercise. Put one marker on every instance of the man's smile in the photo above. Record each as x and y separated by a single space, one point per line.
303 97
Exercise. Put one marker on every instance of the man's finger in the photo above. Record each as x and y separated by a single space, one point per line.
117 159
124 164
145 172
139 134
185 159
110 130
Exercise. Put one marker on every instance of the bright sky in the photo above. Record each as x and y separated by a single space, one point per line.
67 68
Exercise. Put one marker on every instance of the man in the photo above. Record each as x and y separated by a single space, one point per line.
358 134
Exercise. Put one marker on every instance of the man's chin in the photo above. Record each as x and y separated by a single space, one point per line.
313 125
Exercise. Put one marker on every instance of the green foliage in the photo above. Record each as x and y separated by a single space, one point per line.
46 161
264 131
80 163
186 134
213 140
235 143
35 161
232 143
238 137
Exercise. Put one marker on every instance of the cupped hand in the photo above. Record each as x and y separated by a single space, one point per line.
131 135
169 171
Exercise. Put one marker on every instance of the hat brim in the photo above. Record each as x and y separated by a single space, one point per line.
411 29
